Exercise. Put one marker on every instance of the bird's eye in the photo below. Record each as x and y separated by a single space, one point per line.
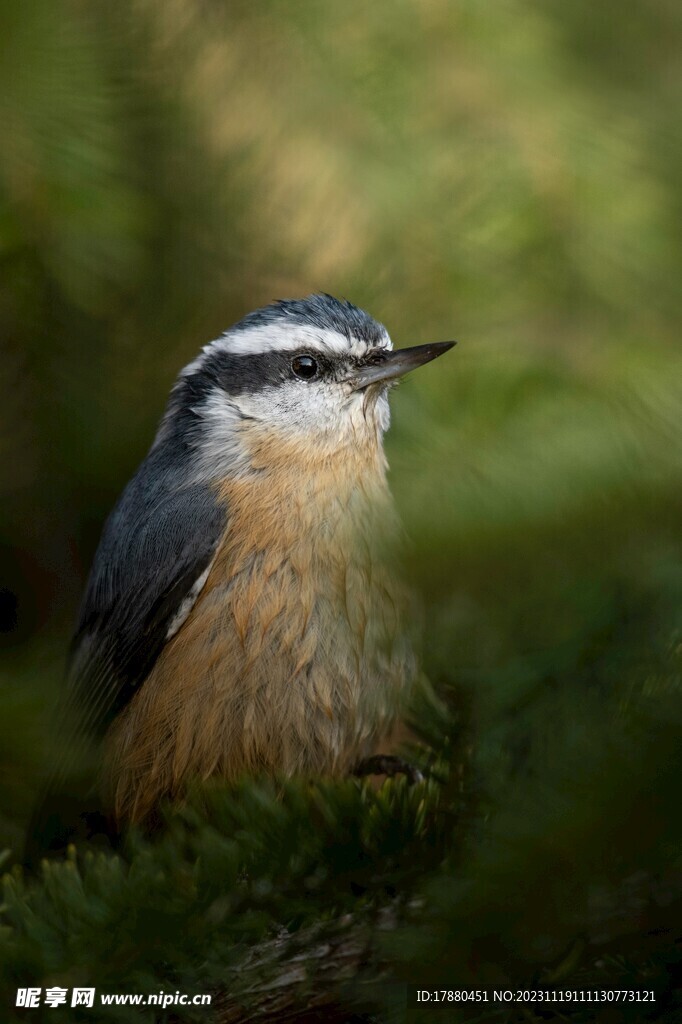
304 367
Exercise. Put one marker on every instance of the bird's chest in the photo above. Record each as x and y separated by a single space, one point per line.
299 592
293 659
295 641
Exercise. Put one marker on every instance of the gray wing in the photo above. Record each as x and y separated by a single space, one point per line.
153 558
156 545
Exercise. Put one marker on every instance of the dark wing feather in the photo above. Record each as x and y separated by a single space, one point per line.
157 542
155 546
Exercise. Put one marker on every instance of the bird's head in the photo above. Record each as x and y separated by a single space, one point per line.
308 375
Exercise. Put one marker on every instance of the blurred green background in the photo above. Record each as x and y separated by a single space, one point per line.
503 173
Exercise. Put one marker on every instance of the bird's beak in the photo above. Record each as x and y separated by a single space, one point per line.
387 365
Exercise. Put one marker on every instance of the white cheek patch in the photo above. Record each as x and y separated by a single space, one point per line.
295 408
292 410
313 415
221 451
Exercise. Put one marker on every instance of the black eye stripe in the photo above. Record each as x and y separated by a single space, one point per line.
249 373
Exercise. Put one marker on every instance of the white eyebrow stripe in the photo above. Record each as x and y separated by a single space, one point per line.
275 338
282 338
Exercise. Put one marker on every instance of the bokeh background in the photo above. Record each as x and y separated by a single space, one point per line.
503 173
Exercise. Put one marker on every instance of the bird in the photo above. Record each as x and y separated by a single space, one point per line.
242 614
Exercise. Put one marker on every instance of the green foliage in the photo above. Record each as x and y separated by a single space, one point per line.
506 174
229 872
